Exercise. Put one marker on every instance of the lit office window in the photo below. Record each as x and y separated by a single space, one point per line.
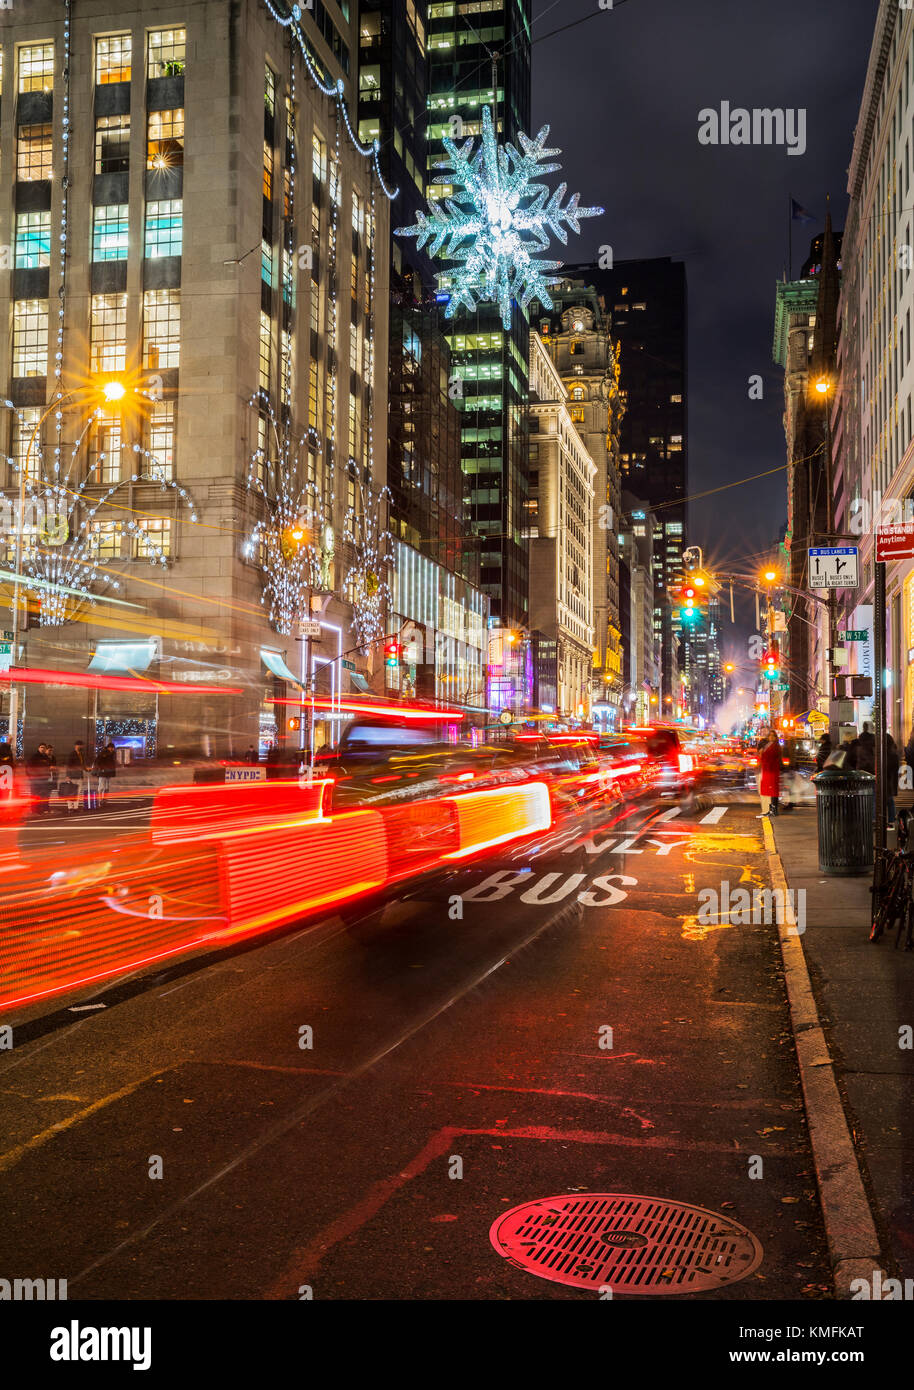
33 240
33 153
160 440
30 337
166 52
105 445
109 232
112 144
266 351
165 139
108 333
112 59
26 447
36 67
269 93
106 539
153 538
161 329
164 223
267 170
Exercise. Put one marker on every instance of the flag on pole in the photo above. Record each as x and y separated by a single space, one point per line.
798 213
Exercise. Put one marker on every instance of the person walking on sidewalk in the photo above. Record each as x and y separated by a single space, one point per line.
769 782
77 771
106 768
892 763
823 750
863 757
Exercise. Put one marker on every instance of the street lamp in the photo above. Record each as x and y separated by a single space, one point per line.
111 391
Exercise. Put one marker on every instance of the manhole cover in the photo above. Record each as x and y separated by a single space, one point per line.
635 1245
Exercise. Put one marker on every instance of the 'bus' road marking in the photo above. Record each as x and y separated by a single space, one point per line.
713 816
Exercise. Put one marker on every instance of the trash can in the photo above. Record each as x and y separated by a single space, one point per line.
845 804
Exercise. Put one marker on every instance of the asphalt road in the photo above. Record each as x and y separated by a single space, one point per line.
458 1064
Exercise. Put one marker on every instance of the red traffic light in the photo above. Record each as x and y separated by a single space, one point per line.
392 652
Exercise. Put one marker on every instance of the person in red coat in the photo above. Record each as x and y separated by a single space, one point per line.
769 783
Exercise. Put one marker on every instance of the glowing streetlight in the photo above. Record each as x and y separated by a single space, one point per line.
823 386
114 390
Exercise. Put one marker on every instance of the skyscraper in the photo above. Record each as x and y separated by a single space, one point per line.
647 302
490 364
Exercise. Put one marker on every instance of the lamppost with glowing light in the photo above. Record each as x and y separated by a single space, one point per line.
111 392
823 387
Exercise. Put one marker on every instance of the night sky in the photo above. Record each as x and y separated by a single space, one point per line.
621 93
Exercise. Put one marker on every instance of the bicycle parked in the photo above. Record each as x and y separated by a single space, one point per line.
896 898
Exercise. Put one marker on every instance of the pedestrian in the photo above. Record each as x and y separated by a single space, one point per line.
252 756
6 755
106 769
763 737
53 772
822 752
892 763
866 751
77 772
849 747
37 770
770 776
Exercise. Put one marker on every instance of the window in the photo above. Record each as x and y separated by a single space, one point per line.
160 440
269 91
105 449
267 170
109 233
33 153
112 144
33 240
36 68
153 537
318 158
161 328
30 337
267 272
108 333
106 539
166 52
112 59
312 395
24 425
576 349
577 414
165 139
578 393
677 399
164 228
266 351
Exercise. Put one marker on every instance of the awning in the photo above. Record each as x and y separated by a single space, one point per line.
121 657
274 662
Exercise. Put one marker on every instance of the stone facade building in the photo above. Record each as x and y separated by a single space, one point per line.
560 528
190 215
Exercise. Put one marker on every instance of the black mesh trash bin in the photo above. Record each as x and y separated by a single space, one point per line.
845 803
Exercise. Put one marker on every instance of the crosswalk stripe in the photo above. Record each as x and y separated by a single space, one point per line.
671 814
713 816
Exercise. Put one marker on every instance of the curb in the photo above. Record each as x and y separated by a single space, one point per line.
853 1243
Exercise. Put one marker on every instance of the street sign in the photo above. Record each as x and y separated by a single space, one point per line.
780 685
6 655
348 665
833 567
308 627
895 542
858 634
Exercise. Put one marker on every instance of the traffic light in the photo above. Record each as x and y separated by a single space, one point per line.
772 663
392 651
689 598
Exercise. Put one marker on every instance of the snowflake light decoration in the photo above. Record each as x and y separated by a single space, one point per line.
365 527
498 222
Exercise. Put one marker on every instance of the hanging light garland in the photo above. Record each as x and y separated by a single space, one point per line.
66 572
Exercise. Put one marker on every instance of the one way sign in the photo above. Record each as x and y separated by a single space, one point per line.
834 567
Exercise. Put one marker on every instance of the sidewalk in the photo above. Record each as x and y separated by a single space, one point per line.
865 995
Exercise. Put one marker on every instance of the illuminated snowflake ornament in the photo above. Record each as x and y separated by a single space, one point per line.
498 221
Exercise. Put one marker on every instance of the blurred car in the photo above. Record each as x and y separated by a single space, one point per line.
379 761
664 768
